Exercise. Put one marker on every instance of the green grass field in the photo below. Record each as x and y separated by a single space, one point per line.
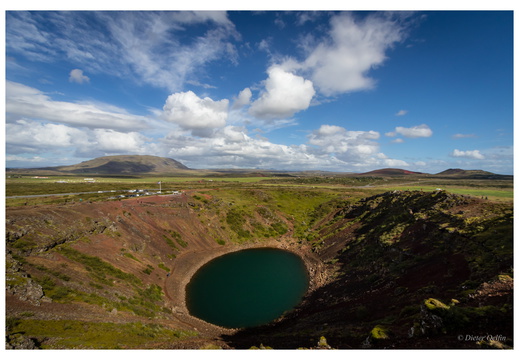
52 185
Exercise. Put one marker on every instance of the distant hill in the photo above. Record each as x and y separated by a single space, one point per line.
390 172
461 172
116 165
472 174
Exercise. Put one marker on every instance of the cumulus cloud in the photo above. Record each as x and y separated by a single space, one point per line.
77 76
469 154
24 101
344 144
341 62
232 147
200 116
412 132
27 136
401 113
243 98
284 95
395 163
115 142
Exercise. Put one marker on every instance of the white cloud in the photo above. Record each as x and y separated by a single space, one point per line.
395 163
231 147
110 141
200 116
24 101
28 136
243 98
469 154
412 132
145 46
284 95
463 136
351 146
341 62
77 76
401 113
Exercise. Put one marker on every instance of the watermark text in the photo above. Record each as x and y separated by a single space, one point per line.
486 337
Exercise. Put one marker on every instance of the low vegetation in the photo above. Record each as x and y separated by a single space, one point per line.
395 258
74 334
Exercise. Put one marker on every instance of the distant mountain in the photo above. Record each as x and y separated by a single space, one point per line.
473 174
461 172
390 172
116 165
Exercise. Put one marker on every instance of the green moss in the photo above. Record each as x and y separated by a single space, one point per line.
164 267
379 332
178 238
323 343
96 286
210 346
152 292
99 269
130 256
433 304
72 334
149 269
14 280
170 242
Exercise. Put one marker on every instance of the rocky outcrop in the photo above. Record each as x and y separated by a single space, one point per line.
19 342
20 284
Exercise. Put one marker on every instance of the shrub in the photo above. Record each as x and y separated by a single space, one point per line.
379 333
128 255
98 268
149 269
164 267
178 238
170 242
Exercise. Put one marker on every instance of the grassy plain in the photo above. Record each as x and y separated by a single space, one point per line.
21 190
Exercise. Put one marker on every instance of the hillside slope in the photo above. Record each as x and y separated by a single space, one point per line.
117 165
390 172
404 269
472 174
413 270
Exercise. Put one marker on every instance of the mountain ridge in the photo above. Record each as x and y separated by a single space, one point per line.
118 165
149 164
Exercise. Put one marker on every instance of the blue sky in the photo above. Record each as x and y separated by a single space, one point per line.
300 90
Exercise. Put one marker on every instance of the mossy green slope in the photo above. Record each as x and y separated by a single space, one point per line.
391 253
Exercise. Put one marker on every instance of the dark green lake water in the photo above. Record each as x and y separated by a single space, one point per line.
247 288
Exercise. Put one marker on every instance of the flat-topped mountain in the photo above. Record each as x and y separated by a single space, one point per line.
473 174
461 172
119 165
